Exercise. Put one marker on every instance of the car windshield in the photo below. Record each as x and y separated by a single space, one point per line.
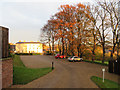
75 57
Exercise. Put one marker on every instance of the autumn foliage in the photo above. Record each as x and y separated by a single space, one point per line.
75 31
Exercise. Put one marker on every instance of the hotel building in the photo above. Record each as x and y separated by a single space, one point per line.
29 47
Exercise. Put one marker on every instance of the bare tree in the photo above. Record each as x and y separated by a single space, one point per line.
94 32
112 9
102 28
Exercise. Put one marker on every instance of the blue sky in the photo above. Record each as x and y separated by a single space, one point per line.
25 18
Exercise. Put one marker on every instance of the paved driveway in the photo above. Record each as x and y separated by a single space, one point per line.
66 74
36 61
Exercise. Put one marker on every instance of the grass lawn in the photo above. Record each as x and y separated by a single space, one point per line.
24 75
17 61
97 62
107 83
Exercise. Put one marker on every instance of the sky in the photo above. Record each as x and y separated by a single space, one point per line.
25 18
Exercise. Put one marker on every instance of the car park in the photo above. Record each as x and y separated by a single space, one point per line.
74 59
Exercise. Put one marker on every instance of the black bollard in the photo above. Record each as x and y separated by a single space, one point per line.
52 65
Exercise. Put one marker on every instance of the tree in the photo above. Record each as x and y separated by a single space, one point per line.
112 10
94 32
102 27
83 22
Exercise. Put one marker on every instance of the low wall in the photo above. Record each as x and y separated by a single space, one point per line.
7 72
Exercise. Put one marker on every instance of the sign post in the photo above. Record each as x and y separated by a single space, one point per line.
103 73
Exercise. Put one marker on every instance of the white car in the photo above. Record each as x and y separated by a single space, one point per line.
74 58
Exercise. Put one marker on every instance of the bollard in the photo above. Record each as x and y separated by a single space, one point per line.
103 73
52 65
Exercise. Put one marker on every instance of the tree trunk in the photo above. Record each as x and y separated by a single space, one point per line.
118 49
103 53
72 50
93 52
62 46
78 50
53 45
103 41
66 47
59 47
81 54
114 44
49 46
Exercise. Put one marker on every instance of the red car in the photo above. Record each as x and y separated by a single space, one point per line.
60 56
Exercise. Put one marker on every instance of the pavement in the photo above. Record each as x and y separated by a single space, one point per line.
66 74
36 61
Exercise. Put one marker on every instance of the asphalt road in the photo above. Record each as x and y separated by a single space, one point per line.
66 74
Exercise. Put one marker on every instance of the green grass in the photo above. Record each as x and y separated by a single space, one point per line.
106 84
37 53
24 75
97 62
17 61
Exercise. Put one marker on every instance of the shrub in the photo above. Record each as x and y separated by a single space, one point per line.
23 53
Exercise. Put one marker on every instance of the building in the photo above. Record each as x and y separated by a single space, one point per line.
29 47
4 34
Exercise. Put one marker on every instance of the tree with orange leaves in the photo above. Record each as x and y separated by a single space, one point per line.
82 28
74 28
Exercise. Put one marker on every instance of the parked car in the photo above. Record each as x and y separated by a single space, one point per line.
60 56
74 58
57 56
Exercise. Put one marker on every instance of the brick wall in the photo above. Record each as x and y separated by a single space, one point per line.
7 73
